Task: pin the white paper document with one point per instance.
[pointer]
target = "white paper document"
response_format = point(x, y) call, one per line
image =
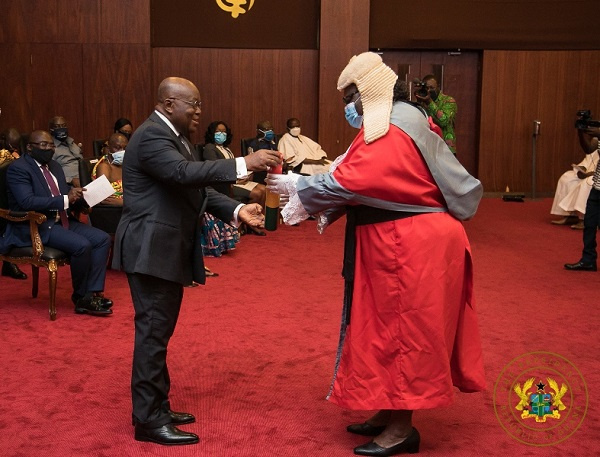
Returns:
point(98, 190)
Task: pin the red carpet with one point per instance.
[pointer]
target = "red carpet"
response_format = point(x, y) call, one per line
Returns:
point(253, 352)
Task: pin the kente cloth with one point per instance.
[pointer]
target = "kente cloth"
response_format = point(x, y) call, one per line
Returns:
point(116, 185)
point(413, 331)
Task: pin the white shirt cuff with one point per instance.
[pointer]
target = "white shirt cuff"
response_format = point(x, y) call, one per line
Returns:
point(66, 204)
point(235, 222)
point(240, 168)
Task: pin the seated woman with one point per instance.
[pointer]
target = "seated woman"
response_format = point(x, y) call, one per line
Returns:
point(110, 166)
point(217, 138)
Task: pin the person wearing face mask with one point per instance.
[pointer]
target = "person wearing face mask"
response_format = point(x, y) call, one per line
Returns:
point(441, 107)
point(409, 327)
point(302, 154)
point(36, 182)
point(110, 165)
point(265, 139)
point(67, 153)
point(217, 139)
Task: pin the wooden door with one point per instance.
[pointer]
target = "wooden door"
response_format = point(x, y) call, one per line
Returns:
point(458, 74)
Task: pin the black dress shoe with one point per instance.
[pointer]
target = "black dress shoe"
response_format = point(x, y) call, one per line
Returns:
point(365, 429)
point(168, 435)
point(181, 418)
point(92, 306)
point(581, 266)
point(104, 302)
point(410, 445)
point(13, 271)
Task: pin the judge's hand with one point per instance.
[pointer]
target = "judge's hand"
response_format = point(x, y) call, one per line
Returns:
point(75, 194)
point(262, 160)
point(252, 215)
point(282, 184)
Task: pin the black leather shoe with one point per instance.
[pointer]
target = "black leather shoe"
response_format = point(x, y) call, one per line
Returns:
point(104, 302)
point(365, 429)
point(12, 270)
point(181, 418)
point(92, 306)
point(168, 435)
point(581, 266)
point(410, 445)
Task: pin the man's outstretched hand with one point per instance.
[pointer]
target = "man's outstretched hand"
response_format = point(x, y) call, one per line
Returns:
point(252, 215)
point(262, 160)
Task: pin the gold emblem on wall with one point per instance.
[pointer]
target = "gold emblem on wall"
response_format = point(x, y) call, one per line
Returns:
point(234, 6)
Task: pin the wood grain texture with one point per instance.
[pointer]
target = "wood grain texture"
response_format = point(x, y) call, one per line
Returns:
point(519, 87)
point(245, 86)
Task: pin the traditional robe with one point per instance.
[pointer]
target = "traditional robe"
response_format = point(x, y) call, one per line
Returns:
point(296, 150)
point(413, 330)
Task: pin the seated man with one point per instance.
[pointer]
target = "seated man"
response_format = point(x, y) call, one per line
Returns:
point(110, 165)
point(300, 153)
point(9, 151)
point(265, 139)
point(573, 187)
point(35, 182)
point(66, 152)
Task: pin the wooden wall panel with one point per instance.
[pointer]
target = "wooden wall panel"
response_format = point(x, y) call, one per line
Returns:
point(124, 21)
point(245, 86)
point(519, 87)
point(344, 33)
point(57, 86)
point(116, 83)
point(15, 91)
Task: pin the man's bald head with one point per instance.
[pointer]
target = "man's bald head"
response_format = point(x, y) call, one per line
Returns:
point(179, 101)
point(117, 142)
point(175, 87)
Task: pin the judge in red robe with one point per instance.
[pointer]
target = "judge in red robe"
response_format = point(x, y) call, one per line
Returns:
point(409, 331)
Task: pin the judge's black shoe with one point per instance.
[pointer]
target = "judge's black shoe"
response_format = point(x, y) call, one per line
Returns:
point(410, 445)
point(366, 429)
point(92, 306)
point(167, 435)
point(104, 302)
point(581, 266)
point(12, 271)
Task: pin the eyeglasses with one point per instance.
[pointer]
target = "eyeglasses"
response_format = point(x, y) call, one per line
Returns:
point(348, 98)
point(44, 144)
point(196, 103)
point(59, 126)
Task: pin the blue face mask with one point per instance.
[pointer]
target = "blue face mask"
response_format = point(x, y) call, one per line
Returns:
point(269, 135)
point(354, 119)
point(117, 157)
point(220, 137)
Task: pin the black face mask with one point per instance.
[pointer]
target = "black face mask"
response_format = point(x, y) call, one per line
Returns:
point(43, 156)
point(126, 135)
point(61, 134)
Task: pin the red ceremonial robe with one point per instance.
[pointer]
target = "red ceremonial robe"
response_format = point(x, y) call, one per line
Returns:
point(413, 330)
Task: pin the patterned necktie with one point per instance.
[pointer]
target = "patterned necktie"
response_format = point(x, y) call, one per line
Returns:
point(55, 193)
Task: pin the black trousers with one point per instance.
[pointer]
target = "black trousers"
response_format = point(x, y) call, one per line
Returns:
point(156, 303)
point(591, 222)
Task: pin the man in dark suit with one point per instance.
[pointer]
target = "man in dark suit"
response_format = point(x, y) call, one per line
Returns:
point(35, 182)
point(158, 244)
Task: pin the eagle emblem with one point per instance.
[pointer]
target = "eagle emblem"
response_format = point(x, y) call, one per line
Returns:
point(540, 404)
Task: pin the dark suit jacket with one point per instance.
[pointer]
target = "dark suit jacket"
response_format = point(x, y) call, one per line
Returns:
point(164, 194)
point(29, 191)
point(211, 152)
